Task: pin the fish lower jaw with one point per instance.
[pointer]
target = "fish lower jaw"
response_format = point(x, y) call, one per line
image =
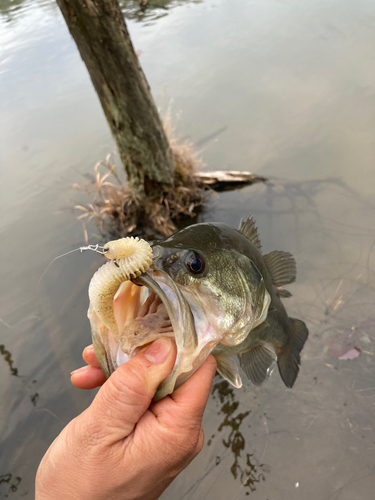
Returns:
point(131, 349)
point(149, 308)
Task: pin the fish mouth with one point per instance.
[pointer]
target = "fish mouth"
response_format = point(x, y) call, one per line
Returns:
point(152, 306)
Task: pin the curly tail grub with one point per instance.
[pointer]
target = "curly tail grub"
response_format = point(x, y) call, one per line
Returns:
point(129, 258)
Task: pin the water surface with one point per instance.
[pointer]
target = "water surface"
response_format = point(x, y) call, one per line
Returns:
point(284, 89)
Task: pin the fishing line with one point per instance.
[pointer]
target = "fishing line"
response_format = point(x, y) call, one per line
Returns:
point(19, 322)
point(95, 248)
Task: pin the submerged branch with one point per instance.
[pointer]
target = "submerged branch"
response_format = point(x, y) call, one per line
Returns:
point(223, 180)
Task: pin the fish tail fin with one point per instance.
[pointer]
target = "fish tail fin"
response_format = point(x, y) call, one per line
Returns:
point(289, 358)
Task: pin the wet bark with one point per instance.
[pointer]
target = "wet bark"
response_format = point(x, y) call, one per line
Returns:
point(226, 180)
point(99, 30)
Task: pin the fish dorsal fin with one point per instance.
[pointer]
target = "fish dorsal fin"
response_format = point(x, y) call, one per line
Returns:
point(249, 229)
point(228, 370)
point(282, 267)
point(257, 363)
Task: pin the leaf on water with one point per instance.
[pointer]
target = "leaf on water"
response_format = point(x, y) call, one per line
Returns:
point(350, 353)
point(343, 353)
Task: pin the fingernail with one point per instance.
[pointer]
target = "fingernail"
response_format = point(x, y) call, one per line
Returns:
point(82, 369)
point(158, 351)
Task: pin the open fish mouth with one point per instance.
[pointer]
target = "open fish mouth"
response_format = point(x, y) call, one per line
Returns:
point(152, 306)
point(209, 288)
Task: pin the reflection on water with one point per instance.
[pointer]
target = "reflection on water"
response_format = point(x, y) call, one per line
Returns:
point(9, 484)
point(9, 7)
point(11, 10)
point(8, 359)
point(34, 398)
point(150, 10)
point(243, 468)
point(138, 10)
point(266, 439)
point(285, 89)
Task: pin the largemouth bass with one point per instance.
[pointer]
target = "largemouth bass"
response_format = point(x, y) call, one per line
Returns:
point(209, 288)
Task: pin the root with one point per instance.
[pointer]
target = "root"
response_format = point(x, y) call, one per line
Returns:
point(118, 211)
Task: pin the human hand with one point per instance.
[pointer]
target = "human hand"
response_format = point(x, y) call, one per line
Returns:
point(123, 446)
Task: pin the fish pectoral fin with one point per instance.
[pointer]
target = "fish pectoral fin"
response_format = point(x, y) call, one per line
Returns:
point(283, 293)
point(282, 267)
point(228, 370)
point(289, 358)
point(257, 363)
point(248, 228)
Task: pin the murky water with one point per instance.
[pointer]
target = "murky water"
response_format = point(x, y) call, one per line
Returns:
point(285, 89)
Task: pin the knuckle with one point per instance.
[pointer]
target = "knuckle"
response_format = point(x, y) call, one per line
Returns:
point(191, 423)
point(127, 387)
point(132, 380)
point(188, 421)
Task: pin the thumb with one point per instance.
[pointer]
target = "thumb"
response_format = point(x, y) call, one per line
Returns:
point(128, 392)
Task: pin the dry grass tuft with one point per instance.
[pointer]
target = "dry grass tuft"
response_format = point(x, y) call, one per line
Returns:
point(117, 211)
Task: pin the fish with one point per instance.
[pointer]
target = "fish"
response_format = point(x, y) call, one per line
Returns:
point(211, 289)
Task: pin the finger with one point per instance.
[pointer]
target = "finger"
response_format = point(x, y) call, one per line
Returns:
point(89, 357)
point(87, 377)
point(188, 401)
point(127, 394)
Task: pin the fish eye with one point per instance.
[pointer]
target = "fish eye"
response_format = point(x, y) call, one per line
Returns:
point(195, 263)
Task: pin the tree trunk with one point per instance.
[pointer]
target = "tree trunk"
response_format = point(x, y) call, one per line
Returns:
point(99, 30)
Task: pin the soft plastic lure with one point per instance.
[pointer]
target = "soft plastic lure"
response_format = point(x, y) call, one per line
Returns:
point(129, 258)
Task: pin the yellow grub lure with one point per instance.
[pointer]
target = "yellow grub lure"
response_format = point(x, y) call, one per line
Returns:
point(129, 258)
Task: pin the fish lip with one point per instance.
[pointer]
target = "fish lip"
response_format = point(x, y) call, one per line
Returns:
point(182, 321)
